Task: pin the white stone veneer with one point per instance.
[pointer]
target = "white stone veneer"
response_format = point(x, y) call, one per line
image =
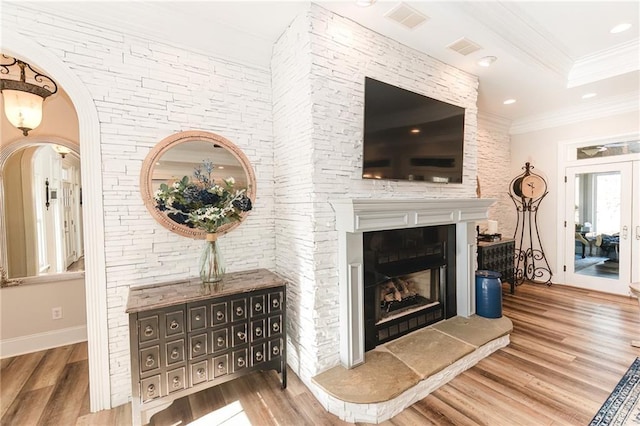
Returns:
point(318, 70)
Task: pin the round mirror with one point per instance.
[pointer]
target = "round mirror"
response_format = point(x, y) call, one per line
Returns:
point(189, 161)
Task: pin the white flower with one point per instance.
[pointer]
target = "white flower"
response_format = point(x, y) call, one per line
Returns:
point(230, 181)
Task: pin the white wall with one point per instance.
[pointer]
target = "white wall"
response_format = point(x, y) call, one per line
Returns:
point(540, 149)
point(325, 103)
point(26, 323)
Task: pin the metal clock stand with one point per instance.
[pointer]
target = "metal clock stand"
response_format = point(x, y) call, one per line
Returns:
point(527, 191)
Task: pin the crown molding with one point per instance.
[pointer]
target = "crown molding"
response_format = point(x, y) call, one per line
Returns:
point(520, 33)
point(488, 121)
point(604, 64)
point(628, 102)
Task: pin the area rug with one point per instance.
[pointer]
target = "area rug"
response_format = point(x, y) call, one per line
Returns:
point(623, 405)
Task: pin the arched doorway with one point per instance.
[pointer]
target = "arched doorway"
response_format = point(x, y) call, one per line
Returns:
point(89, 136)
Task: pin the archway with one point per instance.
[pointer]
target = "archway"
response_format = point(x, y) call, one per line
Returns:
point(95, 275)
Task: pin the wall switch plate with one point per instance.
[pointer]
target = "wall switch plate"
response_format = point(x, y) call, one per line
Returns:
point(56, 313)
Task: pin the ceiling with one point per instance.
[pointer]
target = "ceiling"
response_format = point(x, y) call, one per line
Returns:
point(549, 54)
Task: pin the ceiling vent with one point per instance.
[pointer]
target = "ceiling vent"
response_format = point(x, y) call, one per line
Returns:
point(464, 46)
point(406, 16)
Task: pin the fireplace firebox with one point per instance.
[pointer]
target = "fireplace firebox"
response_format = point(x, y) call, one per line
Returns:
point(409, 280)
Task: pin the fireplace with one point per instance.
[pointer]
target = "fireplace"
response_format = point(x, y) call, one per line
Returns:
point(357, 218)
point(409, 281)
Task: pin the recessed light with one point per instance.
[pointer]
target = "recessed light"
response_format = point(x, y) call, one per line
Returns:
point(620, 28)
point(365, 3)
point(415, 131)
point(509, 101)
point(487, 61)
point(589, 95)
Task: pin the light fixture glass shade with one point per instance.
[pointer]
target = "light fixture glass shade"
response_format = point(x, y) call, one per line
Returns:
point(23, 110)
point(62, 150)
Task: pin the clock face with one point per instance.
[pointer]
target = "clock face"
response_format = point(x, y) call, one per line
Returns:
point(533, 186)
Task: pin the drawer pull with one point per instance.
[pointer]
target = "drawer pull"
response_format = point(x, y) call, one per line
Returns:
point(258, 307)
point(276, 350)
point(176, 382)
point(276, 303)
point(200, 373)
point(259, 356)
point(239, 311)
point(219, 315)
point(241, 335)
point(151, 390)
point(241, 362)
point(197, 347)
point(148, 331)
point(175, 353)
point(174, 324)
point(220, 341)
point(221, 366)
point(198, 317)
point(276, 327)
point(150, 361)
point(258, 331)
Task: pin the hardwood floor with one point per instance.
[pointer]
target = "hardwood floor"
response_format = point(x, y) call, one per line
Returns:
point(568, 350)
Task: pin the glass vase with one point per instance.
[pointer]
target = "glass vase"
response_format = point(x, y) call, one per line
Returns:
point(211, 262)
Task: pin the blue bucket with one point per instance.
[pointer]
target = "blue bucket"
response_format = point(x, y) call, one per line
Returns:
point(488, 294)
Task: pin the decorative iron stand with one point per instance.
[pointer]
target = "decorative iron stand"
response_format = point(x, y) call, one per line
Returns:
point(527, 190)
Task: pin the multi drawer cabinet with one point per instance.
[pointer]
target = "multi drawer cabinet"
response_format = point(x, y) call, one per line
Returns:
point(499, 256)
point(186, 338)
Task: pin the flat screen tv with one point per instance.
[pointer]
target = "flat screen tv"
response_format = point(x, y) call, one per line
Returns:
point(408, 136)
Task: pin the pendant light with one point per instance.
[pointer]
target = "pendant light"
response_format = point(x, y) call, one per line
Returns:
point(23, 90)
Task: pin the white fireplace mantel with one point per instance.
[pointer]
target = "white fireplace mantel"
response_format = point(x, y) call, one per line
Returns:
point(355, 216)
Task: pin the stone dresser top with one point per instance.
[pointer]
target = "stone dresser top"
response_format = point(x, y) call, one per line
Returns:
point(163, 294)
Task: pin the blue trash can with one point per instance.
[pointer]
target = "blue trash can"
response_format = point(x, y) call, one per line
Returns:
point(488, 294)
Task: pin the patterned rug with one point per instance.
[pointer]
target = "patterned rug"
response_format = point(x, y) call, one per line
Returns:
point(623, 405)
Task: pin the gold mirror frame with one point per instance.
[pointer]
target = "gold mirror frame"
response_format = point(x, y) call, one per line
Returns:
point(174, 141)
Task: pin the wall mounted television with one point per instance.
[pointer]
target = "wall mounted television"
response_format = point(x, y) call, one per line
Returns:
point(408, 136)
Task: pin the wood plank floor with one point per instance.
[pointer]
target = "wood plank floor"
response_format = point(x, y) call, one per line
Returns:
point(568, 350)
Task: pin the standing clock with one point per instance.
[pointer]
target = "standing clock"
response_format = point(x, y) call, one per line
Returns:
point(527, 190)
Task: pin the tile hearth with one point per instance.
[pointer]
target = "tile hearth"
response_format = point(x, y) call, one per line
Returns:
point(403, 371)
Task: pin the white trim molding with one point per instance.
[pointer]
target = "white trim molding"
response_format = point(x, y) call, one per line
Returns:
point(614, 105)
point(605, 64)
point(17, 44)
point(42, 341)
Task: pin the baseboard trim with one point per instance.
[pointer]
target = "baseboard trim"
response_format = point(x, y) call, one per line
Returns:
point(41, 341)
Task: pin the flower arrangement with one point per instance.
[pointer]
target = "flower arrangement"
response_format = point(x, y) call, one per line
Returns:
point(202, 203)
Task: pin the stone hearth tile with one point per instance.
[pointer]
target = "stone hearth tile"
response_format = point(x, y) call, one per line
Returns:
point(428, 351)
point(362, 384)
point(475, 330)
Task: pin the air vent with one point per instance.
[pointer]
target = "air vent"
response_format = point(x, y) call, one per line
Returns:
point(406, 16)
point(464, 46)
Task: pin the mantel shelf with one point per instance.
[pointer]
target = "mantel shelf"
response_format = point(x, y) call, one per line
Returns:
point(361, 215)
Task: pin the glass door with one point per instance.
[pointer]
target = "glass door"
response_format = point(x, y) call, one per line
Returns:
point(599, 226)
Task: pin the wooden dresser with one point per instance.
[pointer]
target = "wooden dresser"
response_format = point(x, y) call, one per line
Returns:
point(185, 338)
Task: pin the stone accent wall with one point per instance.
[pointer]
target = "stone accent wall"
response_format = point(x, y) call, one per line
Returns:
point(305, 147)
point(145, 90)
point(330, 80)
point(494, 171)
point(294, 213)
